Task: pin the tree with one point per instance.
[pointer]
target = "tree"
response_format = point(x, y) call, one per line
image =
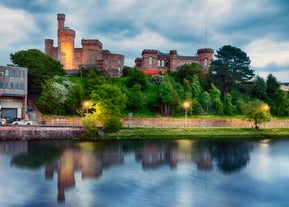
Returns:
point(205, 100)
point(54, 95)
point(258, 88)
point(272, 85)
point(135, 99)
point(136, 76)
point(196, 87)
point(167, 97)
point(230, 69)
point(280, 104)
point(257, 111)
point(187, 72)
point(229, 108)
point(40, 67)
point(106, 105)
point(216, 102)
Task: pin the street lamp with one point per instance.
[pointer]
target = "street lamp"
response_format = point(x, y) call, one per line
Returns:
point(85, 105)
point(186, 105)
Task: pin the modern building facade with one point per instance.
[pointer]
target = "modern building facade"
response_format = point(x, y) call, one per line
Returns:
point(90, 55)
point(13, 92)
point(153, 61)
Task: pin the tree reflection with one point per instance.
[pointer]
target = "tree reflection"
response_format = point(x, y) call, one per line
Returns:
point(231, 156)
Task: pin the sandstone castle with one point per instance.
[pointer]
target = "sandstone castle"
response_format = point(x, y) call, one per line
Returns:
point(90, 55)
point(154, 61)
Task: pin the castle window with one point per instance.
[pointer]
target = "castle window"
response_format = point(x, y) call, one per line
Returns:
point(206, 62)
point(163, 63)
point(159, 63)
point(119, 61)
point(167, 64)
point(150, 60)
point(6, 72)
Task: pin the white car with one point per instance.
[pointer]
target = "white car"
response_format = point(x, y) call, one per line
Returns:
point(22, 122)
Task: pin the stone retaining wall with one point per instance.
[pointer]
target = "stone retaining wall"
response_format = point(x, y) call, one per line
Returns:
point(39, 132)
point(199, 122)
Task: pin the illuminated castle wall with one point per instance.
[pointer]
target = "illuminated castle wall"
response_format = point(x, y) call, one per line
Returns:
point(90, 55)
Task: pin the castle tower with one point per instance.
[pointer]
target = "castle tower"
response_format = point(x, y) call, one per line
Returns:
point(205, 57)
point(66, 38)
point(49, 47)
point(173, 60)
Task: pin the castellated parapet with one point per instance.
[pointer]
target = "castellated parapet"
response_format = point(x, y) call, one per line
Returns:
point(154, 61)
point(90, 55)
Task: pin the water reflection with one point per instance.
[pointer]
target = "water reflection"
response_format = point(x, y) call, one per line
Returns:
point(64, 158)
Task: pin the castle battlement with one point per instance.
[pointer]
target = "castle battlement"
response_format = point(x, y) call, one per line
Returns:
point(90, 55)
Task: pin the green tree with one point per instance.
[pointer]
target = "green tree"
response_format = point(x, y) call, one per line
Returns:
point(40, 67)
point(258, 88)
point(167, 97)
point(229, 108)
point(230, 69)
point(272, 85)
point(187, 72)
point(216, 102)
point(136, 76)
point(205, 100)
point(135, 99)
point(74, 100)
point(106, 105)
point(196, 87)
point(256, 111)
point(280, 104)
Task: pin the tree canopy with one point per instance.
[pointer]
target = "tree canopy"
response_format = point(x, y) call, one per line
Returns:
point(230, 69)
point(40, 67)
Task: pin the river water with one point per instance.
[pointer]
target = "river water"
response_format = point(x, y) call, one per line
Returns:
point(162, 173)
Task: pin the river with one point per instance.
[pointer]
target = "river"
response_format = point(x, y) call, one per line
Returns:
point(162, 173)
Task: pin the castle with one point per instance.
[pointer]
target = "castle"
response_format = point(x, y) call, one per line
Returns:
point(91, 55)
point(154, 61)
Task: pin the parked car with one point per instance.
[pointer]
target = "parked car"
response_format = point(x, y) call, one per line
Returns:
point(22, 122)
point(2, 121)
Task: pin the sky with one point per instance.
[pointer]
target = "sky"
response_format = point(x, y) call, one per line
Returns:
point(127, 27)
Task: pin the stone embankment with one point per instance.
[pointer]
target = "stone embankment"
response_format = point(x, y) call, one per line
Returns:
point(199, 122)
point(11, 132)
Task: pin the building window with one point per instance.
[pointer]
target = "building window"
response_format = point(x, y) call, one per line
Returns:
point(119, 61)
point(150, 60)
point(6, 72)
point(11, 86)
point(1, 85)
point(163, 63)
point(159, 63)
point(206, 62)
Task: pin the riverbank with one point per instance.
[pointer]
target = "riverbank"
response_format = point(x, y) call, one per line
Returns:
point(199, 133)
point(12, 132)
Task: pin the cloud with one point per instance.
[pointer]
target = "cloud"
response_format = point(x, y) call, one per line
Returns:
point(266, 52)
point(129, 26)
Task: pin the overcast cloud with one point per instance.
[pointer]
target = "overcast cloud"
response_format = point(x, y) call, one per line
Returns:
point(259, 27)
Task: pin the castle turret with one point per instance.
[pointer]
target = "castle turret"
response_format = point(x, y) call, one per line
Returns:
point(173, 57)
point(205, 57)
point(66, 38)
point(61, 20)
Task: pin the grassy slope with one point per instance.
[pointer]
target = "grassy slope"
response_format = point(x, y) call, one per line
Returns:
point(200, 133)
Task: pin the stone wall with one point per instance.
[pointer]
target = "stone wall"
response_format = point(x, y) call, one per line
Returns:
point(9, 132)
point(199, 122)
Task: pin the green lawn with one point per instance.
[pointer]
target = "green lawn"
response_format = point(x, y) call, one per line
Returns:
point(200, 133)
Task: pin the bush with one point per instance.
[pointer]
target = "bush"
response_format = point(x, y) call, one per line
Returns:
point(111, 125)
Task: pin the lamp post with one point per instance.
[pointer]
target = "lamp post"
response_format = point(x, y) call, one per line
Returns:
point(186, 105)
point(85, 105)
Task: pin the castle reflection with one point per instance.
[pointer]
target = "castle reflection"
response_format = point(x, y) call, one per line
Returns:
point(64, 158)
